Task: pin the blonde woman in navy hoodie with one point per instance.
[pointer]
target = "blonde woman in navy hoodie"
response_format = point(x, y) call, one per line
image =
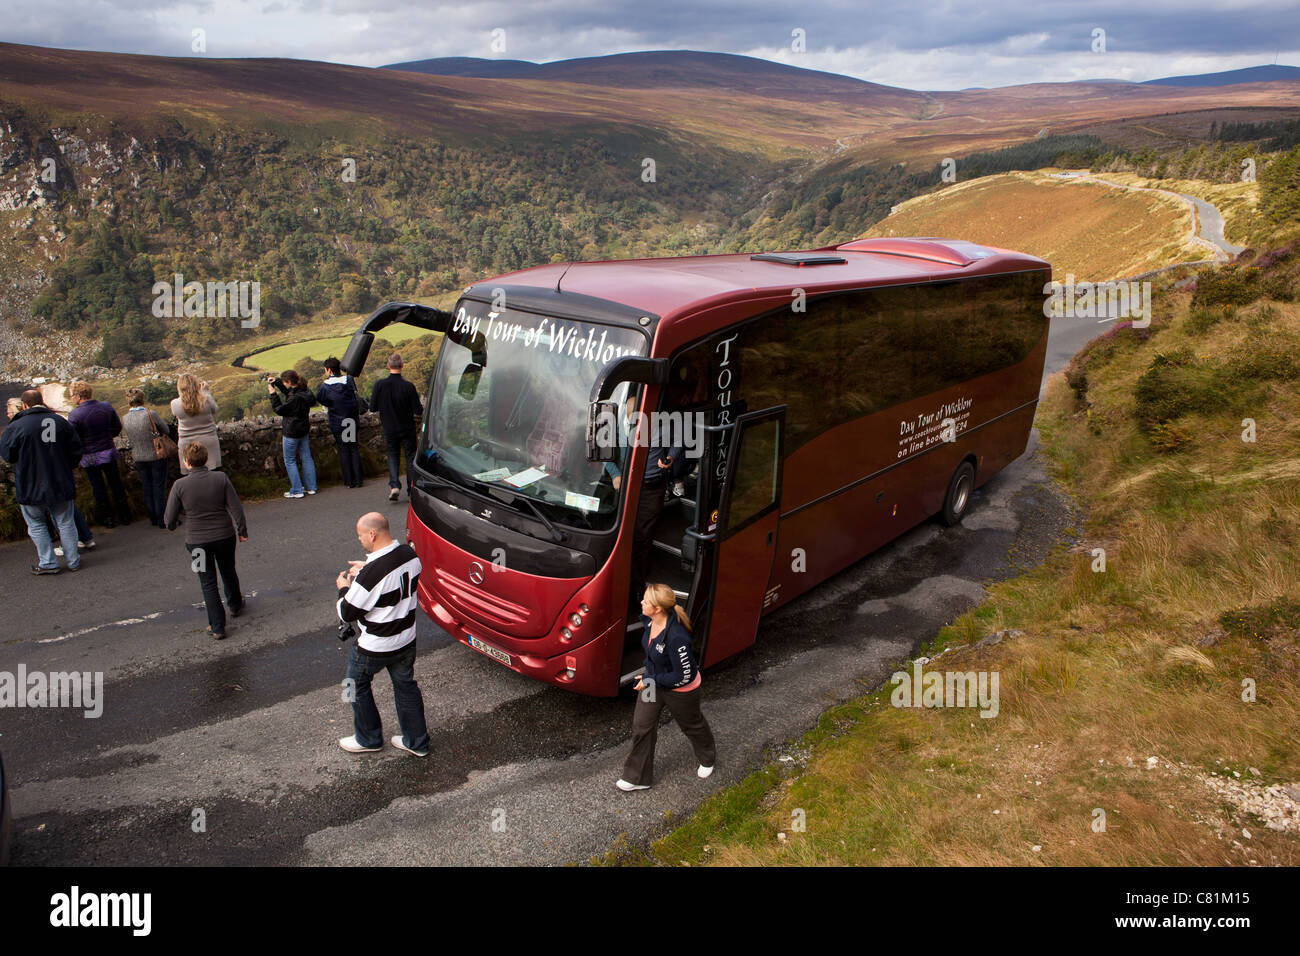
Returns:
point(672, 679)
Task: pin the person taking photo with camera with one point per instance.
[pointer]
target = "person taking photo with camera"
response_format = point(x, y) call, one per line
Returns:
point(378, 595)
point(292, 400)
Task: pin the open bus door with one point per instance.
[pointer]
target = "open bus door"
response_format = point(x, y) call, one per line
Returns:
point(748, 513)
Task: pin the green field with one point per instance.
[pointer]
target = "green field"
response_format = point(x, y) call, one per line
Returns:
point(287, 356)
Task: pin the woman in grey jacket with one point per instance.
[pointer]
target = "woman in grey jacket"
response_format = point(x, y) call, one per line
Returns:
point(213, 517)
point(140, 426)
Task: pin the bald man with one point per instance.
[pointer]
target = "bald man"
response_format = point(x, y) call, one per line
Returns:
point(378, 595)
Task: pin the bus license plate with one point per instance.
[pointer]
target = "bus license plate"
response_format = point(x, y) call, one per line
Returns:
point(488, 649)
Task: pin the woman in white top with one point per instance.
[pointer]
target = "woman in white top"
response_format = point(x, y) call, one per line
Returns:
point(195, 411)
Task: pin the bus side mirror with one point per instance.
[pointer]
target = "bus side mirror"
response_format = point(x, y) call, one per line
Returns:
point(467, 388)
point(602, 431)
point(354, 359)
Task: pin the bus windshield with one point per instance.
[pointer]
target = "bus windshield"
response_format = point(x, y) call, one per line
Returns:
point(506, 413)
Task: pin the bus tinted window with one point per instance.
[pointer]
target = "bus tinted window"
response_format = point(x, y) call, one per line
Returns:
point(963, 330)
point(754, 483)
point(857, 353)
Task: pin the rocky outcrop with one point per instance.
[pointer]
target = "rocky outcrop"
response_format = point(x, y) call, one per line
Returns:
point(40, 166)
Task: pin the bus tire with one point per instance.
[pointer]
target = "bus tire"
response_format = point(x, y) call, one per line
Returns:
point(957, 500)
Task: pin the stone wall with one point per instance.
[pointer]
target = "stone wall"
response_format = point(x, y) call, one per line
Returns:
point(250, 454)
point(251, 448)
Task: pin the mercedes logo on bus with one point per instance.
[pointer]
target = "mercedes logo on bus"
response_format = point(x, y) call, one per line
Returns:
point(476, 572)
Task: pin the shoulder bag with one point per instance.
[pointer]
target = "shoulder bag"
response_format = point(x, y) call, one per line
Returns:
point(163, 446)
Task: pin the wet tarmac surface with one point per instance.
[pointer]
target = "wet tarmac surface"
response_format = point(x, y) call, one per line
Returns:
point(241, 734)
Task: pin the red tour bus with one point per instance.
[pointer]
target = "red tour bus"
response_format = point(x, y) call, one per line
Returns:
point(830, 401)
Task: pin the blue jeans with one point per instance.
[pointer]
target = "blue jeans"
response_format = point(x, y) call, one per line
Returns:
point(34, 515)
point(84, 534)
point(395, 442)
point(410, 705)
point(153, 483)
point(295, 450)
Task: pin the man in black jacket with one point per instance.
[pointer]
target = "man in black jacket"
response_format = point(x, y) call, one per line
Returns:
point(295, 409)
point(44, 448)
point(398, 405)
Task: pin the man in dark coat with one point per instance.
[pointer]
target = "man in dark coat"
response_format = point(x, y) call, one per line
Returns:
point(398, 405)
point(44, 448)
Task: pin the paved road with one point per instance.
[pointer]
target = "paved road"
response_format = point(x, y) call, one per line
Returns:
point(1207, 222)
point(244, 730)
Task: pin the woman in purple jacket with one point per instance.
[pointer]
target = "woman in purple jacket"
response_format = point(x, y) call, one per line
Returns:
point(97, 424)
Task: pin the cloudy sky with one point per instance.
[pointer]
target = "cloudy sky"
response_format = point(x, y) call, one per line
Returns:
point(920, 44)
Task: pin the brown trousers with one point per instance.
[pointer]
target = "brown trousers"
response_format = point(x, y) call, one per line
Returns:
point(685, 708)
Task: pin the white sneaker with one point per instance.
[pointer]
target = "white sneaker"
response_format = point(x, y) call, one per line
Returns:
point(290, 494)
point(351, 746)
point(703, 771)
point(58, 550)
point(311, 492)
point(629, 787)
point(397, 742)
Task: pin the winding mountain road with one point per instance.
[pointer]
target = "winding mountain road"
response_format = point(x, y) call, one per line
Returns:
point(1207, 224)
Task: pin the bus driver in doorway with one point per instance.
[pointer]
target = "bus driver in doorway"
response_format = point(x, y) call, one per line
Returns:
point(662, 464)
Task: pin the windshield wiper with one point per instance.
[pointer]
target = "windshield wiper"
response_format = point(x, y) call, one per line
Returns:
point(487, 487)
point(429, 478)
point(556, 534)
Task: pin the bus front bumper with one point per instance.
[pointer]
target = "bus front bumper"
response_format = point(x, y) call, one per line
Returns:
point(587, 668)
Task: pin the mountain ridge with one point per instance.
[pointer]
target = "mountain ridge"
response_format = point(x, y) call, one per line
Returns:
point(638, 64)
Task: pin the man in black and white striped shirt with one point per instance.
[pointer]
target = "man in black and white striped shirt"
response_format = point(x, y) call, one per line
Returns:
point(378, 595)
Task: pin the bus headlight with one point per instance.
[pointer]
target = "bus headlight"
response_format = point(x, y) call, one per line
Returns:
point(566, 634)
point(575, 620)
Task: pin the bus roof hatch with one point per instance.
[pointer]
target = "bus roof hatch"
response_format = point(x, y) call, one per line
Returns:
point(801, 258)
point(956, 252)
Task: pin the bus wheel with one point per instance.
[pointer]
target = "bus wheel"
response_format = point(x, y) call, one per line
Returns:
point(958, 497)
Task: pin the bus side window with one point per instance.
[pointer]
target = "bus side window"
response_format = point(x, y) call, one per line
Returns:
point(754, 487)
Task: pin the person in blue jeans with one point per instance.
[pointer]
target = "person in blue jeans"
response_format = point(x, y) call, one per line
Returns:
point(85, 537)
point(379, 596)
point(292, 401)
point(44, 448)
